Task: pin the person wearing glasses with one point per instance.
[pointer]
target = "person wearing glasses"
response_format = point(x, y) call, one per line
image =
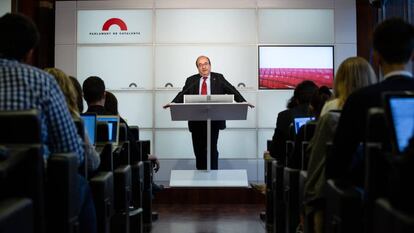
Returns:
point(206, 83)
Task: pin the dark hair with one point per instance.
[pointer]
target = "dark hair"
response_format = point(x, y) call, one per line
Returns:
point(111, 103)
point(394, 40)
point(93, 89)
point(292, 102)
point(318, 99)
point(325, 92)
point(19, 36)
point(78, 90)
point(304, 92)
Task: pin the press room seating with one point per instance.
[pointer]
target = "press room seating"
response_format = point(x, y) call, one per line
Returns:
point(23, 127)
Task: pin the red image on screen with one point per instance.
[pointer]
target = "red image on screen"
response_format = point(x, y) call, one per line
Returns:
point(286, 78)
point(284, 67)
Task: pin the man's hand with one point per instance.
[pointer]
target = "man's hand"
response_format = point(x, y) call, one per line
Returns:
point(250, 105)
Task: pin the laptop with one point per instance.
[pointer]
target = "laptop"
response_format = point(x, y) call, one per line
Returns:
point(299, 121)
point(113, 127)
point(208, 98)
point(89, 122)
point(399, 113)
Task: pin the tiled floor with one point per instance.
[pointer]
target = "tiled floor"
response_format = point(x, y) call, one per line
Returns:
point(211, 218)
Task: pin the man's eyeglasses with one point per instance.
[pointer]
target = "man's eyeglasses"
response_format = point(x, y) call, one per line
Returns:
point(203, 64)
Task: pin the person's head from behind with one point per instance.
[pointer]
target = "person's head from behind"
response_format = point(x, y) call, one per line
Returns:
point(318, 99)
point(303, 93)
point(94, 91)
point(111, 103)
point(67, 88)
point(203, 65)
point(352, 74)
point(20, 36)
point(393, 41)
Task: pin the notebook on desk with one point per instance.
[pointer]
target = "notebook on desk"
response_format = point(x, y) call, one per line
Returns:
point(399, 113)
point(113, 127)
point(89, 122)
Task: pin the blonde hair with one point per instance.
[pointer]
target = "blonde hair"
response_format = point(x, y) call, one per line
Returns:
point(67, 88)
point(352, 74)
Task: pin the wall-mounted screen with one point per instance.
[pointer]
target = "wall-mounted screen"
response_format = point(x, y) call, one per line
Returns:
point(283, 67)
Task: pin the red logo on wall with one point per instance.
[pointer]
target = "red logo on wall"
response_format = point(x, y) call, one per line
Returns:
point(122, 33)
point(114, 21)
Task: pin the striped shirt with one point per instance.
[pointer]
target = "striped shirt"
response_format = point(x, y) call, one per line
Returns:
point(25, 87)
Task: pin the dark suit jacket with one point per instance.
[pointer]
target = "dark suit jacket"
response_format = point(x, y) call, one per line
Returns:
point(99, 110)
point(281, 134)
point(341, 163)
point(219, 85)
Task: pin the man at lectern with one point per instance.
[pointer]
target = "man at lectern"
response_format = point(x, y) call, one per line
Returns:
point(206, 83)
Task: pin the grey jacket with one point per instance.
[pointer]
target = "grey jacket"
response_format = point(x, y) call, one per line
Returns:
point(324, 132)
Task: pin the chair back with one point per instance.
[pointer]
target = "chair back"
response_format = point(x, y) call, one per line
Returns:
point(20, 127)
point(295, 157)
point(144, 147)
point(80, 127)
point(309, 128)
point(279, 207)
point(24, 168)
point(62, 193)
point(291, 198)
point(268, 145)
point(102, 187)
point(376, 128)
point(121, 155)
point(120, 222)
point(123, 132)
point(16, 215)
point(388, 219)
point(102, 132)
point(22, 175)
point(377, 167)
point(134, 130)
point(344, 211)
point(269, 193)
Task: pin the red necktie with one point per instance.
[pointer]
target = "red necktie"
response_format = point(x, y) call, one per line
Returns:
point(204, 86)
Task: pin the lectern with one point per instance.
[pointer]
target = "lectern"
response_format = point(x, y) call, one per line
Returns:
point(208, 111)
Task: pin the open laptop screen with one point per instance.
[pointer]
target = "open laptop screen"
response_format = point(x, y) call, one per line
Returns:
point(89, 122)
point(299, 121)
point(113, 126)
point(399, 109)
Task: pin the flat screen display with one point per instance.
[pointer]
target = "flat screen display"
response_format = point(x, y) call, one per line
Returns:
point(400, 113)
point(89, 122)
point(113, 127)
point(299, 121)
point(284, 67)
